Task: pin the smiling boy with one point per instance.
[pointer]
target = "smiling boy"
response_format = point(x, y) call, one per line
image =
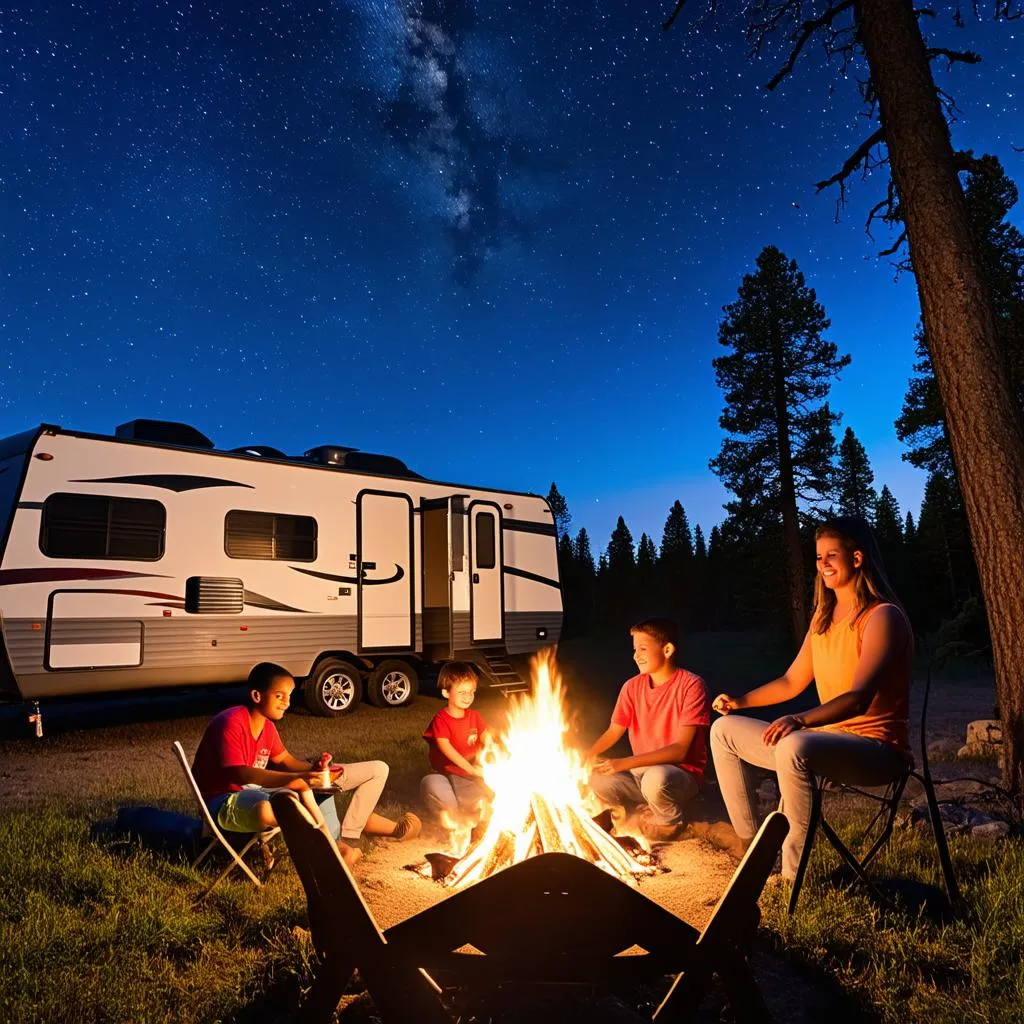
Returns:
point(666, 713)
point(241, 761)
point(454, 790)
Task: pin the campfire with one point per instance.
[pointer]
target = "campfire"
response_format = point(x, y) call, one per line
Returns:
point(538, 781)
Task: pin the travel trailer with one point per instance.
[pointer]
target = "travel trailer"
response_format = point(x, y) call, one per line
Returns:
point(150, 559)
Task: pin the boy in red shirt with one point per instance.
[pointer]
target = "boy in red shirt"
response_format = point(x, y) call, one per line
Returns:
point(666, 712)
point(455, 790)
point(231, 770)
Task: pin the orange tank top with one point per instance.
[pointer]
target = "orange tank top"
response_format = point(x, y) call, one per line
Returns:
point(835, 654)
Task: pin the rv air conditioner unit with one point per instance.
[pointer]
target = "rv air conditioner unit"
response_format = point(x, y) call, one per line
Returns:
point(261, 451)
point(353, 458)
point(163, 432)
point(328, 454)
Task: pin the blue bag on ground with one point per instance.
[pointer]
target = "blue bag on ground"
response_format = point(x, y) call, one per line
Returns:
point(167, 831)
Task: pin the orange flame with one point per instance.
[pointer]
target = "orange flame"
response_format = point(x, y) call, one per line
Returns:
point(538, 780)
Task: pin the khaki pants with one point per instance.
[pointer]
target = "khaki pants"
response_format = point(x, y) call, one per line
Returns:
point(736, 741)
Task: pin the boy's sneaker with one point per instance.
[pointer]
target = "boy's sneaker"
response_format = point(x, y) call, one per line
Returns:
point(407, 827)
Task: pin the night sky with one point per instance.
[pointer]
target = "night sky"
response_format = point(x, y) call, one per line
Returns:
point(491, 239)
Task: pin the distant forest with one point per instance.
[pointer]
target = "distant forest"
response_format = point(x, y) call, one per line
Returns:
point(786, 470)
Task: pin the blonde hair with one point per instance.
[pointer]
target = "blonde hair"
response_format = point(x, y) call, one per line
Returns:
point(871, 585)
point(456, 672)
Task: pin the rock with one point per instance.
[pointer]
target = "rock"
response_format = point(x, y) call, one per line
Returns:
point(984, 740)
point(985, 730)
point(991, 830)
point(958, 819)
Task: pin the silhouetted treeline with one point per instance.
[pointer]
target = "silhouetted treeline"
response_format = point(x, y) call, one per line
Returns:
point(737, 578)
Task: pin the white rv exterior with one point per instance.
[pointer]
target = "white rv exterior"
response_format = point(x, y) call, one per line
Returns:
point(128, 563)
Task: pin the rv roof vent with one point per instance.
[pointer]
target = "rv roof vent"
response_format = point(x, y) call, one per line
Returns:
point(163, 432)
point(329, 454)
point(261, 451)
point(371, 463)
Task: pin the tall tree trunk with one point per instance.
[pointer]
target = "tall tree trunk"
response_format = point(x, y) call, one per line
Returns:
point(787, 496)
point(984, 424)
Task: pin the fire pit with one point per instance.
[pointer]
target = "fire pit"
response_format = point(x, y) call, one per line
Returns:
point(538, 779)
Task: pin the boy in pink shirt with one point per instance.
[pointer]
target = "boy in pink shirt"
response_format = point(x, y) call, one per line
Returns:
point(666, 712)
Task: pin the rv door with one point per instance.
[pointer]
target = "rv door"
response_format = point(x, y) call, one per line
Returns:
point(384, 561)
point(486, 597)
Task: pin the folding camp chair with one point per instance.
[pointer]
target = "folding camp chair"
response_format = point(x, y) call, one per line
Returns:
point(216, 837)
point(551, 920)
point(721, 948)
point(888, 807)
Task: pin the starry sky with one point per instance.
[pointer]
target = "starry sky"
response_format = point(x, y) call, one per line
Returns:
point(492, 239)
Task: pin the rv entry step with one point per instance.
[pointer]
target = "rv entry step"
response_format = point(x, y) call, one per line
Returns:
point(504, 675)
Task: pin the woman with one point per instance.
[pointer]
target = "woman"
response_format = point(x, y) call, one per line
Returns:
point(859, 650)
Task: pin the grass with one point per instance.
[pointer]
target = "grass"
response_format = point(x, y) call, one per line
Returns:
point(102, 932)
point(116, 935)
point(907, 964)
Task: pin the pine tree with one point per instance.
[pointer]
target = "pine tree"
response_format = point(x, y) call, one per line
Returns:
point(909, 529)
point(776, 378)
point(618, 582)
point(646, 554)
point(646, 582)
point(700, 551)
point(854, 493)
point(698, 591)
point(889, 532)
point(944, 566)
point(989, 196)
point(584, 579)
point(621, 554)
point(676, 540)
point(559, 510)
point(568, 574)
point(581, 550)
point(887, 518)
point(675, 566)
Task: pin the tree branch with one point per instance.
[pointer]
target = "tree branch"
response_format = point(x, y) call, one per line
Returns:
point(666, 25)
point(807, 29)
point(858, 157)
point(896, 246)
point(953, 56)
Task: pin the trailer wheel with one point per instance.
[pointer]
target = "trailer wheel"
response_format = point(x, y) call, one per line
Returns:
point(333, 688)
point(392, 684)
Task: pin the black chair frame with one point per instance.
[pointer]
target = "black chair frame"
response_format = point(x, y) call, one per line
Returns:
point(889, 802)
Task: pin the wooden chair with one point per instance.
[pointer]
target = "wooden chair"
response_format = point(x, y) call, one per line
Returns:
point(551, 920)
point(888, 807)
point(216, 836)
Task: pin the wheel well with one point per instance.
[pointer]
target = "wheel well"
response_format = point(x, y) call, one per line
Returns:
point(418, 665)
point(363, 664)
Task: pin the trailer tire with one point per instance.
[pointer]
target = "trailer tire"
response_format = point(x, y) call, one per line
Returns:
point(392, 684)
point(333, 688)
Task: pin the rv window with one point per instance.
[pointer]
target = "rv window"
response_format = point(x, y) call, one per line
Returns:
point(96, 526)
point(269, 535)
point(485, 547)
